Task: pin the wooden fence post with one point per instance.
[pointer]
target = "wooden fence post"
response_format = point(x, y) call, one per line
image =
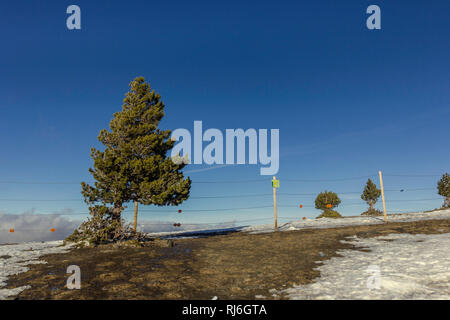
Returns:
point(135, 215)
point(274, 185)
point(382, 196)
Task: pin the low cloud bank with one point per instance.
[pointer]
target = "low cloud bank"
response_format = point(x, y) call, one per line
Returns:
point(165, 226)
point(35, 227)
point(30, 227)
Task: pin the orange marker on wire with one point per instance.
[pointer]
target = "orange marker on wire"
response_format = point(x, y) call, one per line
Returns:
point(11, 230)
point(52, 229)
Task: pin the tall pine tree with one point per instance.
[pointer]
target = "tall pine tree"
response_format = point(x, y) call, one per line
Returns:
point(135, 165)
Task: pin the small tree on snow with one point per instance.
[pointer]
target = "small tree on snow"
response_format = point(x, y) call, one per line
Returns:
point(327, 201)
point(371, 194)
point(443, 187)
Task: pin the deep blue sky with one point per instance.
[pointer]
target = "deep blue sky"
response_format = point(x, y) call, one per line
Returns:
point(348, 101)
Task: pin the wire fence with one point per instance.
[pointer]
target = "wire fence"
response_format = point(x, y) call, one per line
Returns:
point(269, 205)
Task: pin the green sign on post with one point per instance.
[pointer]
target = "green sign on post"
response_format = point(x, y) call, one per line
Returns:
point(275, 183)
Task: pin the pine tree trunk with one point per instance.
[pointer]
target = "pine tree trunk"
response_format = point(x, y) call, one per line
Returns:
point(116, 211)
point(447, 202)
point(371, 205)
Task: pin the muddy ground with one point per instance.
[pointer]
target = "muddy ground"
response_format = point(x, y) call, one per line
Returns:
point(233, 266)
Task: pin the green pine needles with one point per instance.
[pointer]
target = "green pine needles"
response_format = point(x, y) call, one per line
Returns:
point(327, 201)
point(135, 164)
point(371, 194)
point(443, 187)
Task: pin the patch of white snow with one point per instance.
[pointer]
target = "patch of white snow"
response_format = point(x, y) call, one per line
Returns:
point(407, 267)
point(14, 259)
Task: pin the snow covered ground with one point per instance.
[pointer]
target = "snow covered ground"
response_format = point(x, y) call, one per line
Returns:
point(15, 258)
point(404, 267)
point(307, 224)
point(349, 221)
point(408, 268)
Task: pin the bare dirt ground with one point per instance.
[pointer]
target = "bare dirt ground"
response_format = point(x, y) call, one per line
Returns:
point(233, 266)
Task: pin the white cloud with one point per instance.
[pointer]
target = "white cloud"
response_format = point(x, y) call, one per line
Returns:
point(165, 226)
point(29, 226)
point(32, 227)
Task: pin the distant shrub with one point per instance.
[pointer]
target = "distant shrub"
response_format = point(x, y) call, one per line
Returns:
point(443, 187)
point(326, 201)
point(372, 212)
point(370, 195)
point(328, 213)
